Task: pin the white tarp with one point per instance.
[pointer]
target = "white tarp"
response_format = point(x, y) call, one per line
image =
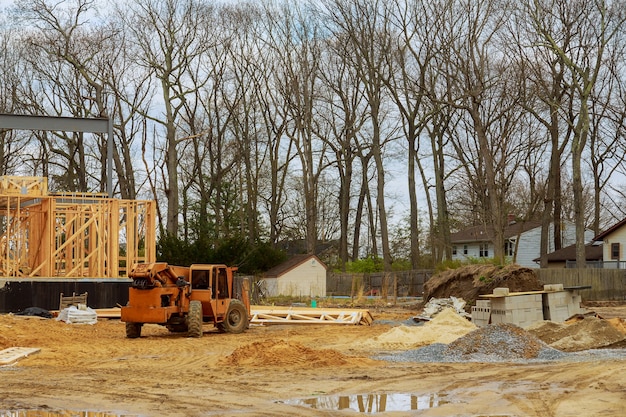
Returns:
point(80, 314)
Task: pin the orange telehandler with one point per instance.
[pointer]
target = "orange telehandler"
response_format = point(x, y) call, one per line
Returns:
point(183, 298)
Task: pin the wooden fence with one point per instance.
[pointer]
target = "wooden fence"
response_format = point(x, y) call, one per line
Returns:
point(392, 284)
point(606, 284)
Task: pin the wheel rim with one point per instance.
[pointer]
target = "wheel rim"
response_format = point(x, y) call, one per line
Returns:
point(234, 317)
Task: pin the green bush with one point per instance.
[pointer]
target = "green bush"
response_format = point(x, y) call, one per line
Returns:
point(366, 265)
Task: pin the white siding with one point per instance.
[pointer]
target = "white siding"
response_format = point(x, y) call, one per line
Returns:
point(307, 280)
point(473, 251)
point(530, 243)
point(528, 246)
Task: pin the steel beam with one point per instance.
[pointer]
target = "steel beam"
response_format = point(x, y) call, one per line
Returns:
point(65, 124)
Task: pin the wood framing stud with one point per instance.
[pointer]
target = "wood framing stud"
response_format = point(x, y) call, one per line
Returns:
point(71, 235)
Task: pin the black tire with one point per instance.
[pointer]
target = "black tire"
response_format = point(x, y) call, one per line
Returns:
point(194, 319)
point(133, 330)
point(236, 320)
point(177, 328)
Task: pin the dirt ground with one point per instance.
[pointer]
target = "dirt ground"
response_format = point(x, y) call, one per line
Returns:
point(282, 370)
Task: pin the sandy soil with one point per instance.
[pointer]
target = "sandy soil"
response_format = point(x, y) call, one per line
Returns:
point(272, 370)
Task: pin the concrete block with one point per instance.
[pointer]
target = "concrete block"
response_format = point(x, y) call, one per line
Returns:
point(553, 287)
point(557, 314)
point(501, 291)
point(481, 316)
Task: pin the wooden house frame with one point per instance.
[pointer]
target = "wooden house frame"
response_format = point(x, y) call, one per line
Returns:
point(71, 235)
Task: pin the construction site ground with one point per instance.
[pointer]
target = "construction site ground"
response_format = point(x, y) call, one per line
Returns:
point(287, 370)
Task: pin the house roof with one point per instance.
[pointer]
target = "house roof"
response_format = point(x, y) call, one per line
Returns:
point(484, 233)
point(289, 264)
point(568, 253)
point(610, 230)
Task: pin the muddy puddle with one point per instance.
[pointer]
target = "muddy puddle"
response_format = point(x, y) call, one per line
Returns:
point(373, 403)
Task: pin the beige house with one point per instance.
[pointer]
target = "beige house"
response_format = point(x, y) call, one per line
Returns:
point(613, 243)
point(300, 275)
point(605, 251)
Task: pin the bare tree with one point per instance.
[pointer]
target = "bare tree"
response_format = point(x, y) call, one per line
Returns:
point(593, 27)
point(408, 83)
point(275, 151)
point(12, 143)
point(606, 132)
point(344, 116)
point(68, 53)
point(365, 27)
point(171, 37)
point(484, 85)
point(297, 45)
point(247, 73)
point(546, 98)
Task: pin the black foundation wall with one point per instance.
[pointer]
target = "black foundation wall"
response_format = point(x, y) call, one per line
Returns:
point(15, 296)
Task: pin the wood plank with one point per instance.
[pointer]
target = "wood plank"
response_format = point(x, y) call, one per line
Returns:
point(513, 294)
point(12, 354)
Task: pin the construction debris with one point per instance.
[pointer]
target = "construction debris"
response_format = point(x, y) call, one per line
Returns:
point(435, 305)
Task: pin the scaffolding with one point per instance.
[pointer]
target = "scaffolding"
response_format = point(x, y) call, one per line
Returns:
point(71, 235)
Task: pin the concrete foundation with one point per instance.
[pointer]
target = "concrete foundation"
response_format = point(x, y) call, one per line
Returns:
point(17, 295)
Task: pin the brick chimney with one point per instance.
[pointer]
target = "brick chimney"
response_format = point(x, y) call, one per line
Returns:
point(510, 218)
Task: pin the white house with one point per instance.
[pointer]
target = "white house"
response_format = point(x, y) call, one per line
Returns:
point(522, 241)
point(300, 275)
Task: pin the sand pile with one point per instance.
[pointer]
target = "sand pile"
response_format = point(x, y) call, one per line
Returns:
point(618, 323)
point(589, 333)
point(445, 327)
point(282, 353)
point(4, 342)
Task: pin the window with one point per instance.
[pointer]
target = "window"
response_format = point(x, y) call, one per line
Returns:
point(484, 250)
point(464, 249)
point(509, 247)
point(454, 250)
point(615, 250)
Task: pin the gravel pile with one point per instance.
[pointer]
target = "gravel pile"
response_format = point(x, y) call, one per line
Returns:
point(494, 343)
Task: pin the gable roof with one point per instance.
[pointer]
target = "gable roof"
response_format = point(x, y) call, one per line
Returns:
point(484, 233)
point(289, 264)
point(610, 230)
point(568, 253)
